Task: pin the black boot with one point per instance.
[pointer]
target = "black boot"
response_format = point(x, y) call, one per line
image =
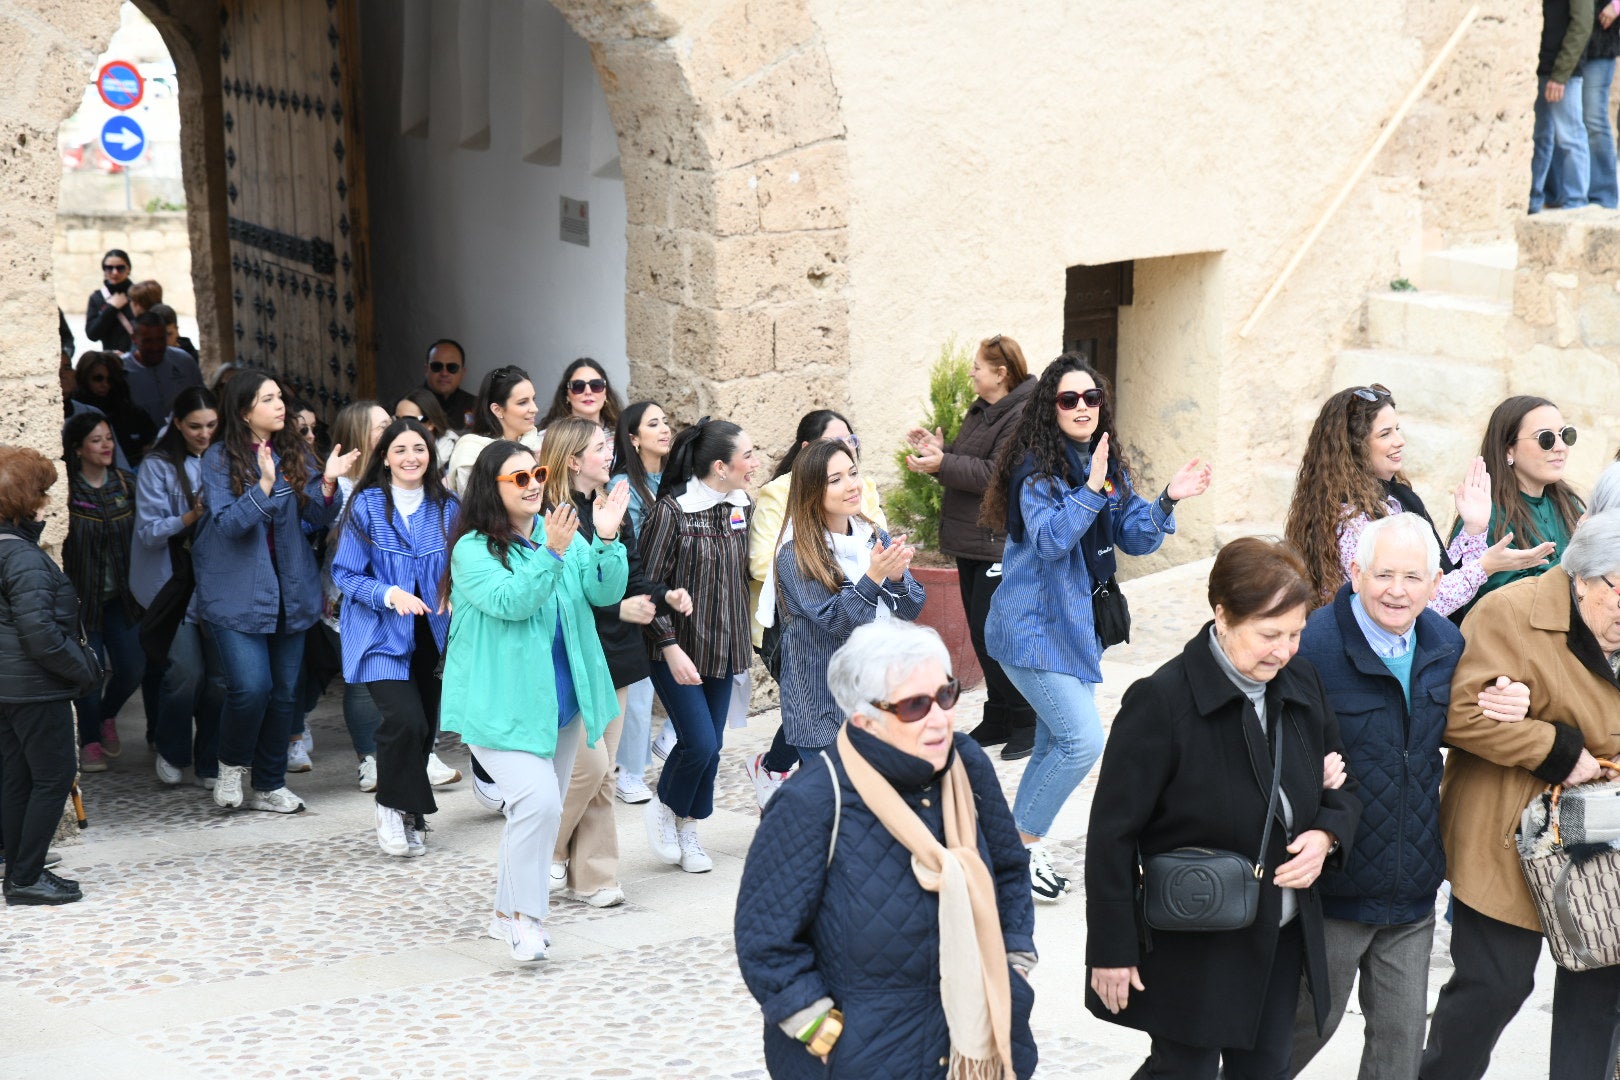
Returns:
point(1021, 740)
point(993, 728)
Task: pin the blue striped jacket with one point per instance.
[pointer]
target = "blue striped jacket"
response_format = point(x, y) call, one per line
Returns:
point(371, 558)
point(1040, 617)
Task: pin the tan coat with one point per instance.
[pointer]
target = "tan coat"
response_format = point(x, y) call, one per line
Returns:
point(1492, 771)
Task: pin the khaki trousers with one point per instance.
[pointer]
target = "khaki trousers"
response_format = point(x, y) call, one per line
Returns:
point(588, 840)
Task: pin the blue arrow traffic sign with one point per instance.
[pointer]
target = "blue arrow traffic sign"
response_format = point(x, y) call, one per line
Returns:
point(123, 140)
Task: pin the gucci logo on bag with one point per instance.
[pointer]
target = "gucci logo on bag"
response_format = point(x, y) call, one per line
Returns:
point(1192, 892)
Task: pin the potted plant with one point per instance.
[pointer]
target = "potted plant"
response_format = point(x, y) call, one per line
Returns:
point(913, 508)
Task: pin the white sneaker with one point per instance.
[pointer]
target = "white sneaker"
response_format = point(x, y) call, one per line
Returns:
point(307, 738)
point(498, 924)
point(440, 774)
point(298, 757)
point(559, 876)
point(207, 783)
point(279, 801)
point(166, 773)
point(415, 839)
point(391, 832)
point(368, 773)
point(488, 794)
point(228, 789)
point(528, 938)
point(632, 789)
point(665, 741)
point(765, 781)
point(694, 860)
point(1046, 885)
point(662, 832)
point(607, 896)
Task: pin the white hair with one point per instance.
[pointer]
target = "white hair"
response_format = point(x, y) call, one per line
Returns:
point(1606, 492)
point(1594, 550)
point(878, 655)
point(1398, 526)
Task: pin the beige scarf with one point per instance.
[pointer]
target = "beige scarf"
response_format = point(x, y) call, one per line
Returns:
point(973, 975)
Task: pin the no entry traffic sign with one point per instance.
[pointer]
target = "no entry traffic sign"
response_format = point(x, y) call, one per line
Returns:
point(122, 139)
point(120, 84)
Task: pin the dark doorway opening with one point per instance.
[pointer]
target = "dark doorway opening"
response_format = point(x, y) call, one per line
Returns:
point(1092, 297)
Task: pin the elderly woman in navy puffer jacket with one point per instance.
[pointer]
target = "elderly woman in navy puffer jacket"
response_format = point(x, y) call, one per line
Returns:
point(887, 861)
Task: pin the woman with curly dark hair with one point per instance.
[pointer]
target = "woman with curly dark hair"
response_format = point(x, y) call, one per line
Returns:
point(1351, 474)
point(1063, 493)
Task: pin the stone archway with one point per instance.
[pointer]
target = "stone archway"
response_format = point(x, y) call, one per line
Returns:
point(735, 169)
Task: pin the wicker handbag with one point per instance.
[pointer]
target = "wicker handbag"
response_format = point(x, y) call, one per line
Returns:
point(1569, 850)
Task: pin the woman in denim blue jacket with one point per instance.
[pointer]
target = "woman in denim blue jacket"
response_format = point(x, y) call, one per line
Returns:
point(1064, 494)
point(258, 587)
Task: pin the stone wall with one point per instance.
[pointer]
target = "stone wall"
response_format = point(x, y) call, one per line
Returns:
point(1564, 339)
point(159, 247)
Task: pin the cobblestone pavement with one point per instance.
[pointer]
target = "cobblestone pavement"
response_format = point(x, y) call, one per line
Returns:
point(242, 945)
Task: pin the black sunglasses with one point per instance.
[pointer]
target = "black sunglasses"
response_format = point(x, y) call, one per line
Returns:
point(913, 709)
point(595, 386)
point(1069, 400)
point(437, 366)
point(1547, 438)
point(1371, 393)
point(112, 268)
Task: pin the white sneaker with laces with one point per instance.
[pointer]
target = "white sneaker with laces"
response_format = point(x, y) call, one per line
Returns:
point(166, 773)
point(440, 774)
point(665, 741)
point(663, 832)
point(559, 876)
point(368, 773)
point(765, 781)
point(632, 789)
point(527, 938)
point(488, 794)
point(307, 738)
point(298, 757)
point(391, 832)
point(207, 783)
point(1045, 883)
point(279, 801)
point(607, 896)
point(228, 788)
point(415, 839)
point(498, 924)
point(694, 860)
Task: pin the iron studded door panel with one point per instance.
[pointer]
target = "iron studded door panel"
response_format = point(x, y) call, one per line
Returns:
point(295, 191)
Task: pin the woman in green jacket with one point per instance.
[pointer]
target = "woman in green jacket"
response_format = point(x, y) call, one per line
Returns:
point(1526, 450)
point(524, 671)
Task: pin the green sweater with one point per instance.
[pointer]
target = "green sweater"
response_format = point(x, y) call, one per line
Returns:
point(499, 683)
point(1549, 526)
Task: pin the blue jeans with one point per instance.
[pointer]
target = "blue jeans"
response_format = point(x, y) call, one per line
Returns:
point(1068, 742)
point(686, 785)
point(635, 744)
point(261, 696)
point(193, 688)
point(119, 643)
point(1604, 186)
point(1560, 134)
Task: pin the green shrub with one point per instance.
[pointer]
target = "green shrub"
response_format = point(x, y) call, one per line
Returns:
point(913, 505)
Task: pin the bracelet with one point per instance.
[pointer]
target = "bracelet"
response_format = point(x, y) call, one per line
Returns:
point(832, 1026)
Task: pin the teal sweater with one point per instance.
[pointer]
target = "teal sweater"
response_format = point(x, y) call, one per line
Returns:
point(499, 684)
point(1549, 526)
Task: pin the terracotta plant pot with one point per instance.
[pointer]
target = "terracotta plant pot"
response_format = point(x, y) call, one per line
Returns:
point(944, 612)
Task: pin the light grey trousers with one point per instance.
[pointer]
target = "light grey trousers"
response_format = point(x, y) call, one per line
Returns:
point(534, 788)
point(1394, 966)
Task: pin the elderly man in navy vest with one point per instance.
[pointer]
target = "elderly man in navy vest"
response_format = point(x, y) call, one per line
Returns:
point(1386, 662)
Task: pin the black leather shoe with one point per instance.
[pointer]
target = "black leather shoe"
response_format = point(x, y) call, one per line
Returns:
point(1020, 743)
point(48, 890)
point(992, 730)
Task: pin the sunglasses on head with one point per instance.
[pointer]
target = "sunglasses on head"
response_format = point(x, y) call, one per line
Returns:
point(1547, 438)
point(113, 268)
point(437, 366)
point(1371, 393)
point(524, 477)
point(595, 386)
point(912, 709)
point(1069, 400)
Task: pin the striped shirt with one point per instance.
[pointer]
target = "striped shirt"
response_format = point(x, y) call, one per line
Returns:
point(705, 553)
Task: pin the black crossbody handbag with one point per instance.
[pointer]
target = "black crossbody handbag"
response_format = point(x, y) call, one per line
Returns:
point(1205, 889)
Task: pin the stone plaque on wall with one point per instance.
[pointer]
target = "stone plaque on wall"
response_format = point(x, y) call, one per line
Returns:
point(576, 221)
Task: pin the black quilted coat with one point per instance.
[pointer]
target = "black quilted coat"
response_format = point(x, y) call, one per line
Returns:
point(40, 655)
point(862, 931)
point(1397, 862)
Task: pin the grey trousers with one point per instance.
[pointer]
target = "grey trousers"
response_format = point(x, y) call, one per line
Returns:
point(1394, 966)
point(533, 788)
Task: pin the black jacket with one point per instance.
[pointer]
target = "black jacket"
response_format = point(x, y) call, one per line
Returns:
point(964, 473)
point(1187, 765)
point(40, 655)
point(623, 643)
point(101, 323)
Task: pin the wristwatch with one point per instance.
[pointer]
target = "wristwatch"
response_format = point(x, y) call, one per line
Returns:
point(1167, 505)
point(826, 1034)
